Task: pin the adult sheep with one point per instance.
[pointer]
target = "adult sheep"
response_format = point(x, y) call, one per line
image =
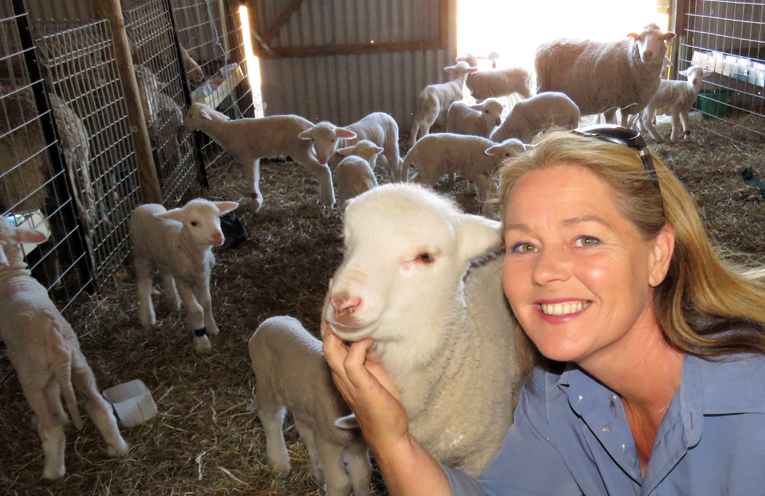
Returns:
point(443, 331)
point(601, 77)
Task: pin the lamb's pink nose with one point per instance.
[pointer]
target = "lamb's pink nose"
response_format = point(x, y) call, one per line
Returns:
point(498, 121)
point(344, 304)
point(217, 238)
point(648, 54)
point(322, 159)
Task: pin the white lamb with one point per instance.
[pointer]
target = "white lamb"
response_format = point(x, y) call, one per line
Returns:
point(538, 113)
point(499, 82)
point(355, 173)
point(604, 76)
point(437, 98)
point(248, 140)
point(378, 127)
point(476, 120)
point(292, 374)
point(472, 157)
point(179, 243)
point(678, 98)
point(44, 350)
point(443, 331)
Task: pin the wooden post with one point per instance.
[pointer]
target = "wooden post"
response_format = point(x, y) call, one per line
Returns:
point(147, 171)
point(677, 23)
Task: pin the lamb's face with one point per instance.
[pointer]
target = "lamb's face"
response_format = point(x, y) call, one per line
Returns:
point(324, 136)
point(406, 251)
point(198, 114)
point(202, 219)
point(491, 111)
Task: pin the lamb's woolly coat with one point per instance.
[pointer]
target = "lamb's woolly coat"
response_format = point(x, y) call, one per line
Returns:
point(381, 129)
point(291, 372)
point(598, 76)
point(353, 176)
point(463, 119)
point(540, 112)
point(499, 82)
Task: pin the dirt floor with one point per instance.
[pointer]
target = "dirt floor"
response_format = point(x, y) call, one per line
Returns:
point(204, 441)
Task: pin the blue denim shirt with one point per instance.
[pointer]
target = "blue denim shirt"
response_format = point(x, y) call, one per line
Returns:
point(571, 437)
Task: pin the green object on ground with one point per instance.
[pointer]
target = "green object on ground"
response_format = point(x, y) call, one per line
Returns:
point(714, 103)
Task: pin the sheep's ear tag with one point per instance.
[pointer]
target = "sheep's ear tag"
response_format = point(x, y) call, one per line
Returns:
point(634, 36)
point(478, 236)
point(348, 422)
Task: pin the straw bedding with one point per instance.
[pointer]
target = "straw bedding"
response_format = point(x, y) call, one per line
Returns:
point(203, 441)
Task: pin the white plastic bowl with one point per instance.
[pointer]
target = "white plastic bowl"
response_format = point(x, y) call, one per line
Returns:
point(132, 402)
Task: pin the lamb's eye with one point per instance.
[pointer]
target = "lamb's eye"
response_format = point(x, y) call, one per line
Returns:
point(426, 258)
point(194, 223)
point(332, 141)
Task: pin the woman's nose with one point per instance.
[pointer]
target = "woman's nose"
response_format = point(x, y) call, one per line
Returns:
point(551, 265)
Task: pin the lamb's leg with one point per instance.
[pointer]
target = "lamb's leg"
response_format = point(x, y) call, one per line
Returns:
point(338, 481)
point(51, 433)
point(168, 282)
point(306, 434)
point(686, 121)
point(675, 127)
point(252, 173)
point(195, 316)
point(357, 461)
point(322, 173)
point(609, 115)
point(647, 123)
point(203, 296)
point(99, 410)
point(272, 416)
point(143, 281)
point(53, 395)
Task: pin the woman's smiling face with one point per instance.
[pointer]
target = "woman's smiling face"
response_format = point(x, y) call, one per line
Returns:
point(577, 274)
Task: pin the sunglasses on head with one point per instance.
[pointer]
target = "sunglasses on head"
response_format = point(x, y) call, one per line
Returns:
point(622, 136)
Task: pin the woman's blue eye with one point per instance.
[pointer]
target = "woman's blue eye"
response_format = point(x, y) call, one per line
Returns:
point(587, 241)
point(522, 247)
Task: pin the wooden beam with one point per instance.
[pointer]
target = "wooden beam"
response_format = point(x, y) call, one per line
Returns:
point(281, 21)
point(677, 26)
point(323, 50)
point(443, 17)
point(147, 171)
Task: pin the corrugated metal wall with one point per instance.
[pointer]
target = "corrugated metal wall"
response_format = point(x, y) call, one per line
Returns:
point(345, 88)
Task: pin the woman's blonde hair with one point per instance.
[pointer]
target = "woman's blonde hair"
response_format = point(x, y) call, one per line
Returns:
point(706, 305)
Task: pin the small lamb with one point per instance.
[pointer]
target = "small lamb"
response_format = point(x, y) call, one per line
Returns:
point(44, 350)
point(248, 140)
point(678, 98)
point(378, 127)
point(354, 174)
point(476, 120)
point(437, 98)
point(538, 113)
point(494, 83)
point(442, 328)
point(179, 243)
point(473, 157)
point(292, 374)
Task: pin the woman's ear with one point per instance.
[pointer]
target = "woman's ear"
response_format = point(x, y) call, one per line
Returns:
point(664, 246)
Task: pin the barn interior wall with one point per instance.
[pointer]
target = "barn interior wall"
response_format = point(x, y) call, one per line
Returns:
point(345, 88)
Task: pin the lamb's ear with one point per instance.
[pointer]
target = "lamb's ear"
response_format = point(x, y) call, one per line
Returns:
point(175, 214)
point(379, 149)
point(30, 235)
point(683, 73)
point(348, 422)
point(478, 236)
point(305, 135)
point(226, 206)
point(348, 150)
point(493, 150)
point(472, 70)
point(669, 36)
point(449, 69)
point(344, 133)
point(3, 256)
point(205, 115)
point(477, 106)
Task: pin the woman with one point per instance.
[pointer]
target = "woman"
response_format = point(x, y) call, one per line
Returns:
point(646, 350)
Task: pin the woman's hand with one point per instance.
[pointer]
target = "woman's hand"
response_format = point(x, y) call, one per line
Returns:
point(366, 387)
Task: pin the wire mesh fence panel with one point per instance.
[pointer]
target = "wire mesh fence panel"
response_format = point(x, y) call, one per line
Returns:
point(80, 70)
point(211, 32)
point(34, 186)
point(727, 38)
point(158, 70)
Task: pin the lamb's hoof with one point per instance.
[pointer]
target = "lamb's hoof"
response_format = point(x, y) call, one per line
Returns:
point(118, 451)
point(148, 320)
point(280, 467)
point(255, 199)
point(202, 345)
point(54, 472)
point(212, 330)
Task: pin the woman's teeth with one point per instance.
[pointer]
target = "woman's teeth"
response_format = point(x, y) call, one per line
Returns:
point(564, 308)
